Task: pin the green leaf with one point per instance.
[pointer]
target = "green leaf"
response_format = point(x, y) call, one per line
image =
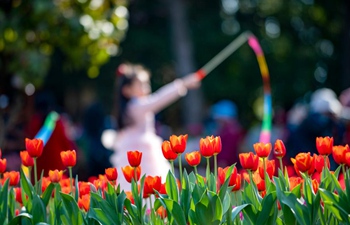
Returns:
point(132, 211)
point(175, 210)
point(26, 185)
point(250, 196)
point(236, 210)
point(72, 212)
point(171, 187)
point(39, 210)
point(335, 204)
point(268, 208)
point(19, 219)
point(47, 194)
point(76, 196)
point(111, 215)
point(185, 197)
point(11, 204)
point(111, 196)
point(209, 209)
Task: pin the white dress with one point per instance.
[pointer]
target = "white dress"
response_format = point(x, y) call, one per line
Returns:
point(141, 134)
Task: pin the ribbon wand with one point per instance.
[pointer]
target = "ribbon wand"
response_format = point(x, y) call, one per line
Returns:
point(223, 54)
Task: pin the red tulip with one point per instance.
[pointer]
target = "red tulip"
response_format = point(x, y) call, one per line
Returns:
point(178, 143)
point(151, 184)
point(324, 145)
point(237, 183)
point(129, 174)
point(168, 152)
point(319, 162)
point(55, 175)
point(26, 159)
point(111, 174)
point(347, 159)
point(262, 150)
point(339, 153)
point(193, 158)
point(45, 182)
point(294, 181)
point(84, 188)
point(249, 161)
point(222, 175)
point(130, 197)
point(279, 149)
point(270, 168)
point(134, 158)
point(18, 195)
point(69, 158)
point(304, 162)
point(210, 146)
point(84, 202)
point(315, 185)
point(34, 147)
point(260, 183)
point(2, 165)
point(13, 177)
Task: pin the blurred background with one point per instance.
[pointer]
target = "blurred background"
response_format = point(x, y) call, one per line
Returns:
point(63, 55)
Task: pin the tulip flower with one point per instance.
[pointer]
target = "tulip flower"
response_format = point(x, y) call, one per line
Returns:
point(69, 158)
point(2, 165)
point(262, 150)
point(45, 182)
point(34, 147)
point(347, 159)
point(210, 146)
point(270, 168)
point(84, 202)
point(151, 184)
point(294, 181)
point(18, 195)
point(55, 175)
point(339, 152)
point(111, 174)
point(178, 143)
point(319, 162)
point(129, 174)
point(134, 158)
point(168, 153)
point(222, 173)
point(26, 159)
point(130, 196)
point(84, 188)
point(324, 145)
point(249, 161)
point(193, 159)
point(304, 162)
point(279, 149)
point(13, 177)
point(315, 185)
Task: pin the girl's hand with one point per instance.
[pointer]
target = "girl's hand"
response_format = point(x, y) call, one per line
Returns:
point(191, 81)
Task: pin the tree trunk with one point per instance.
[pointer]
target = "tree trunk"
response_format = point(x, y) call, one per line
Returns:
point(192, 105)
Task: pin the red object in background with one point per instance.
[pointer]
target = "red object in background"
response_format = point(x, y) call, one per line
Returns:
point(50, 158)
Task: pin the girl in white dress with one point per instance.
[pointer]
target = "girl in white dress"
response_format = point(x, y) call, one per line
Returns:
point(136, 119)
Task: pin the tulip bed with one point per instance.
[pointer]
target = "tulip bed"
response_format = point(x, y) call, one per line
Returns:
point(257, 195)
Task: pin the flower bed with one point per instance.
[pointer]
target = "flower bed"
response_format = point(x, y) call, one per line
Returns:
point(223, 196)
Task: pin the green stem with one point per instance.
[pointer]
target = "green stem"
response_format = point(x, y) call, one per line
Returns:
point(216, 169)
point(281, 163)
point(35, 173)
point(250, 176)
point(207, 174)
point(195, 170)
point(150, 205)
point(30, 173)
point(172, 166)
point(71, 179)
point(266, 176)
point(343, 169)
point(180, 167)
point(135, 174)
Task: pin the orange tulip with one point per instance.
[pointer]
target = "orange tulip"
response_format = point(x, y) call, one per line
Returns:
point(151, 184)
point(270, 168)
point(260, 183)
point(111, 174)
point(168, 152)
point(210, 146)
point(45, 182)
point(129, 174)
point(178, 143)
point(18, 195)
point(315, 185)
point(193, 158)
point(222, 175)
point(262, 150)
point(339, 153)
point(161, 211)
point(130, 196)
point(134, 158)
point(84, 202)
point(319, 162)
point(347, 158)
point(69, 158)
point(279, 149)
point(324, 145)
point(294, 181)
point(249, 161)
point(2, 165)
point(55, 175)
point(304, 162)
point(34, 147)
point(13, 177)
point(26, 159)
point(237, 183)
point(84, 188)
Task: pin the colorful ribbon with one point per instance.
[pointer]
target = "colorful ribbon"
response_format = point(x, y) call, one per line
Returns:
point(46, 130)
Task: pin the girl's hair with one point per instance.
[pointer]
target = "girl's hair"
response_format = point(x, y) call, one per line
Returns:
point(126, 73)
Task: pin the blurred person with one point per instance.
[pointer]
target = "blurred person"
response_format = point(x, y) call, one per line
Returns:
point(323, 119)
point(136, 118)
point(227, 126)
point(59, 140)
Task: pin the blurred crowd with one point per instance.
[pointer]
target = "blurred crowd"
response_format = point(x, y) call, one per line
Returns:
point(318, 114)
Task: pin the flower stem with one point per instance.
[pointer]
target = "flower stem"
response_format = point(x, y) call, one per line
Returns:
point(180, 167)
point(172, 166)
point(281, 163)
point(343, 169)
point(71, 179)
point(265, 173)
point(216, 168)
point(207, 174)
point(30, 174)
point(35, 173)
point(195, 171)
point(135, 174)
point(150, 205)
